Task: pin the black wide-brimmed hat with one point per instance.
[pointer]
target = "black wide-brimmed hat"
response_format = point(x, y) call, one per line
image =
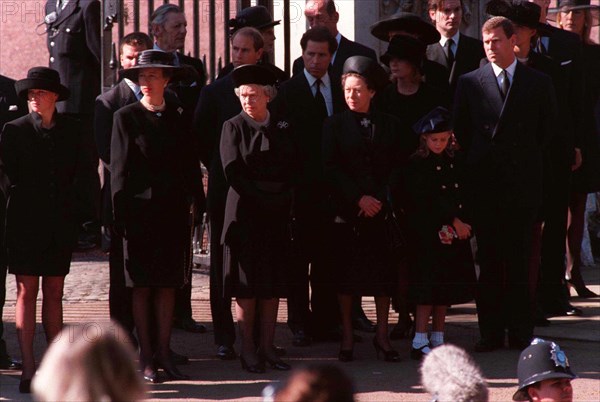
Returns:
point(248, 74)
point(153, 59)
point(568, 5)
point(410, 23)
point(256, 17)
point(405, 47)
point(369, 69)
point(520, 12)
point(542, 360)
point(436, 121)
point(42, 78)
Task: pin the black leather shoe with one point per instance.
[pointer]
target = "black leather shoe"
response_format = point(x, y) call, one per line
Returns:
point(226, 352)
point(391, 355)
point(418, 354)
point(277, 364)
point(363, 324)
point(151, 377)
point(189, 325)
point(257, 368)
point(564, 309)
point(301, 339)
point(487, 345)
point(8, 363)
point(178, 359)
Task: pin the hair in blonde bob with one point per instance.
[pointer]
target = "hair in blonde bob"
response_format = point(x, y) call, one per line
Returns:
point(92, 362)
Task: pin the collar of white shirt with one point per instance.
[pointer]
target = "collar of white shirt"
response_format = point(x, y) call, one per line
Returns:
point(137, 91)
point(455, 38)
point(510, 70)
point(325, 81)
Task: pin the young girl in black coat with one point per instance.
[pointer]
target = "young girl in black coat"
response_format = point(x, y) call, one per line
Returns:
point(442, 272)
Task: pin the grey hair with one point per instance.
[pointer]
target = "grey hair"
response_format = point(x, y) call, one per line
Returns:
point(159, 16)
point(450, 375)
point(269, 90)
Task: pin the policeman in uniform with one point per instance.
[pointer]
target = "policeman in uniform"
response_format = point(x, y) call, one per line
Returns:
point(544, 373)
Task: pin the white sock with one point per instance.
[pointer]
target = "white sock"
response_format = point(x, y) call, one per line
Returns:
point(437, 338)
point(420, 340)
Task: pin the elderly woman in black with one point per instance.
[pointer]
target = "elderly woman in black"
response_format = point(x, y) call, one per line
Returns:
point(258, 160)
point(42, 160)
point(361, 151)
point(156, 190)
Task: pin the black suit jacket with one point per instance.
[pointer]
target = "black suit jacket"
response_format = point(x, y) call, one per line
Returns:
point(504, 141)
point(346, 49)
point(41, 172)
point(296, 102)
point(468, 55)
point(75, 52)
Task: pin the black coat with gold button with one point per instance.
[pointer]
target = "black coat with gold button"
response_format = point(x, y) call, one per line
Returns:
point(440, 274)
point(40, 174)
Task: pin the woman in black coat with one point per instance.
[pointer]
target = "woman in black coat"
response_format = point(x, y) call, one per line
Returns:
point(579, 17)
point(361, 151)
point(157, 188)
point(258, 158)
point(42, 163)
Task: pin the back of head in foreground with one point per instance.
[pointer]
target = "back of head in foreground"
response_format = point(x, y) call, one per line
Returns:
point(89, 363)
point(316, 383)
point(449, 374)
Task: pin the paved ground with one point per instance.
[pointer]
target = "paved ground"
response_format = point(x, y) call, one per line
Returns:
point(86, 295)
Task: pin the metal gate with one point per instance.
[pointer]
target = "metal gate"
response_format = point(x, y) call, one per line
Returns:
point(207, 37)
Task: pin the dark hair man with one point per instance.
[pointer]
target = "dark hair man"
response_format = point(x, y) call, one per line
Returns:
point(504, 116)
point(307, 99)
point(323, 13)
point(456, 51)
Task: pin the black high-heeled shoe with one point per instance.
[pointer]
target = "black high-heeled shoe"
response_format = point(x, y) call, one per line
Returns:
point(257, 368)
point(25, 386)
point(172, 371)
point(403, 329)
point(151, 376)
point(581, 289)
point(388, 355)
point(346, 355)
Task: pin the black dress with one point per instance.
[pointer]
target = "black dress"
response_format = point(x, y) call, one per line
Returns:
point(362, 157)
point(440, 274)
point(410, 108)
point(259, 165)
point(41, 171)
point(155, 178)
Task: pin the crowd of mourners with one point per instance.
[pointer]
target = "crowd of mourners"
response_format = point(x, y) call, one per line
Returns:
point(445, 170)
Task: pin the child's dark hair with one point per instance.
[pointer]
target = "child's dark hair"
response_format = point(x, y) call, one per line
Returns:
point(423, 150)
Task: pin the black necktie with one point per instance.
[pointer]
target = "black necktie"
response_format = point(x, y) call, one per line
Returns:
point(505, 84)
point(320, 100)
point(449, 52)
point(540, 48)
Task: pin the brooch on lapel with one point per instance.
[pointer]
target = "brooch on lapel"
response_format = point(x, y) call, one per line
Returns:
point(283, 124)
point(180, 110)
point(365, 122)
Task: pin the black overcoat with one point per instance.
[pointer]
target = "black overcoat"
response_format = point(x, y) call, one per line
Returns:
point(155, 178)
point(354, 168)
point(41, 174)
point(259, 164)
point(441, 274)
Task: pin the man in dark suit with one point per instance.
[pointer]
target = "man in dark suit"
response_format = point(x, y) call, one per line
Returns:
point(565, 48)
point(11, 107)
point(124, 93)
point(459, 53)
point(169, 28)
point(504, 115)
point(218, 104)
point(73, 38)
point(323, 13)
point(307, 99)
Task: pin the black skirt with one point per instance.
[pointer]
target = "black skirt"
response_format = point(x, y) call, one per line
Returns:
point(257, 252)
point(364, 263)
point(54, 260)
